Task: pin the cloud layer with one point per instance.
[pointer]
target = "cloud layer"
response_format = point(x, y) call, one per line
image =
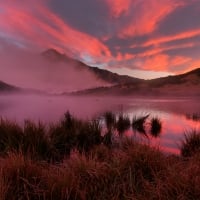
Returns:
point(134, 35)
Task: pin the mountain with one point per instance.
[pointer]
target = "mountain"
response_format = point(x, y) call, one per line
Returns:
point(102, 74)
point(4, 87)
point(187, 84)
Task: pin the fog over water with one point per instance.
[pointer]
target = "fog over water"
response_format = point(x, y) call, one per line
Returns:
point(32, 70)
point(172, 112)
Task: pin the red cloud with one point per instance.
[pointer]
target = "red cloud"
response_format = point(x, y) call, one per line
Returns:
point(126, 56)
point(146, 16)
point(43, 28)
point(162, 62)
point(118, 7)
point(159, 50)
point(179, 36)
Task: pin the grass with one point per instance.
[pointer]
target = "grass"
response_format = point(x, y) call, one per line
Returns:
point(134, 171)
point(138, 124)
point(190, 144)
point(70, 160)
point(156, 127)
point(123, 124)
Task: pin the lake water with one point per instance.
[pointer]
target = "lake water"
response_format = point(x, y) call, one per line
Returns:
point(178, 115)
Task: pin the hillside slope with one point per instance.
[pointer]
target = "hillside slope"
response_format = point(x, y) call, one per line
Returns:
point(102, 74)
point(187, 84)
point(4, 87)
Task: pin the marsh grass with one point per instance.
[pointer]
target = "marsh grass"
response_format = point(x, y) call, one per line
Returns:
point(11, 136)
point(110, 120)
point(86, 168)
point(138, 124)
point(190, 144)
point(123, 124)
point(56, 141)
point(133, 171)
point(156, 127)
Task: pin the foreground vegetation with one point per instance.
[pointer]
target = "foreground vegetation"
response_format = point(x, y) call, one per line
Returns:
point(74, 159)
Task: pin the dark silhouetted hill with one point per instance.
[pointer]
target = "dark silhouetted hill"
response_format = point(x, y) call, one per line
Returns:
point(4, 87)
point(187, 84)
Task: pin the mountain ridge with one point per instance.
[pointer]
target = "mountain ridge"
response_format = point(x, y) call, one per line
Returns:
point(102, 74)
point(5, 87)
point(183, 84)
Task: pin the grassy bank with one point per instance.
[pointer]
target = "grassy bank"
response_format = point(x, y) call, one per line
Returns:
point(73, 160)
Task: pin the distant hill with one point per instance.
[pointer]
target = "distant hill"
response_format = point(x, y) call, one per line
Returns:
point(187, 84)
point(102, 74)
point(4, 87)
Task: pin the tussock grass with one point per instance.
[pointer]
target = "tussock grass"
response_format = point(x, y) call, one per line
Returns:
point(134, 171)
point(123, 124)
point(11, 136)
point(70, 160)
point(190, 144)
point(138, 124)
point(156, 127)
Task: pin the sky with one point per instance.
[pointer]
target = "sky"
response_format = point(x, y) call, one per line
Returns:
point(140, 38)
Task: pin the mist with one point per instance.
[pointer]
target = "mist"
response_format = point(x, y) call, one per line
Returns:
point(31, 70)
point(51, 108)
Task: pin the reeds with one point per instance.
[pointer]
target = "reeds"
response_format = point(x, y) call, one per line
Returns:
point(69, 160)
point(190, 145)
point(56, 141)
point(133, 171)
point(156, 127)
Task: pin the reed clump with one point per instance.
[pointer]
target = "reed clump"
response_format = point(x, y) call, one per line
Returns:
point(70, 160)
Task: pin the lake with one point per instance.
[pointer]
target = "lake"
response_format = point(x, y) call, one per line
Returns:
point(177, 115)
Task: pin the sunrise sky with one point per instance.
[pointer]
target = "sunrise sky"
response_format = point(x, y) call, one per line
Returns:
point(141, 38)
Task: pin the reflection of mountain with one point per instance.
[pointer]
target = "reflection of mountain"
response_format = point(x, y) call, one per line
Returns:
point(4, 87)
point(183, 85)
point(101, 74)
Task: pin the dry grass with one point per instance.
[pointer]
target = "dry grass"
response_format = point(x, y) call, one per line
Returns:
point(190, 144)
point(91, 170)
point(133, 172)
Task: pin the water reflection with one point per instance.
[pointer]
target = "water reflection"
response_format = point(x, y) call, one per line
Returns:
point(170, 112)
point(193, 116)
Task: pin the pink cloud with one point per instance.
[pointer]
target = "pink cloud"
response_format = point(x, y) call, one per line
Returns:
point(41, 27)
point(146, 16)
point(118, 7)
point(159, 50)
point(179, 36)
point(162, 62)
